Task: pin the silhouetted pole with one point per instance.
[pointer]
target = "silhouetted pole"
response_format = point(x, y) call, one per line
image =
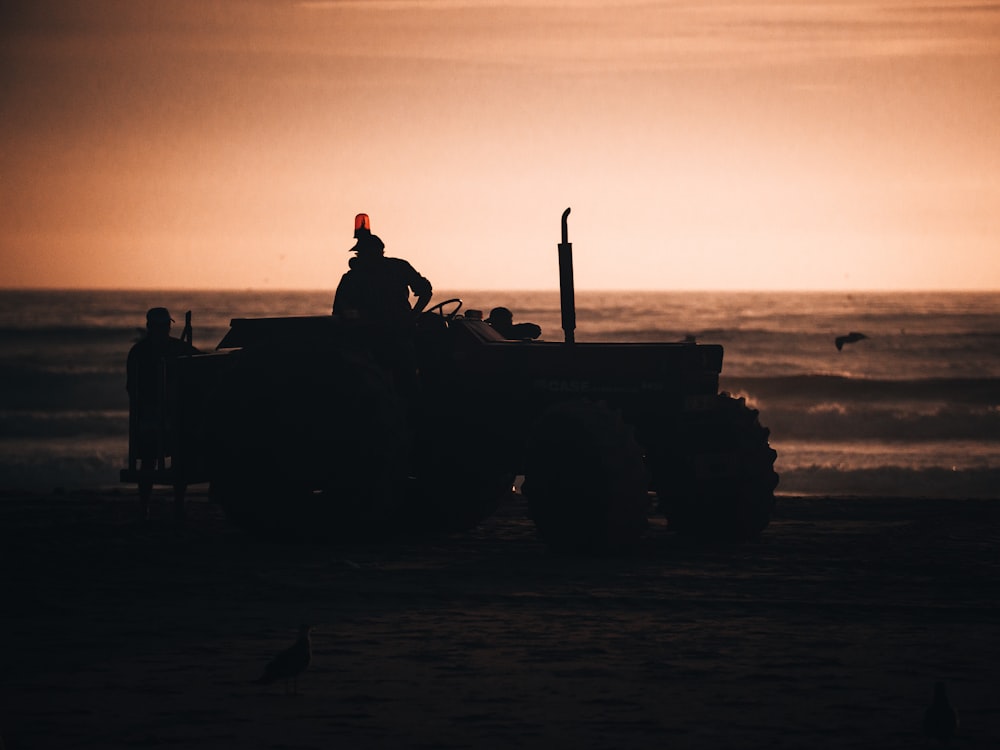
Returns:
point(567, 299)
point(188, 333)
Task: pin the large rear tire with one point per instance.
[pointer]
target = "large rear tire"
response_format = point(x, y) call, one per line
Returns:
point(311, 445)
point(713, 472)
point(318, 446)
point(585, 480)
point(459, 474)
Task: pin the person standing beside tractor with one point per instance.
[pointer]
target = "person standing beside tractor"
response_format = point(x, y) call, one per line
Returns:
point(149, 370)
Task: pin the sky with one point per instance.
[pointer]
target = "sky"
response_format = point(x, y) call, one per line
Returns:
point(702, 145)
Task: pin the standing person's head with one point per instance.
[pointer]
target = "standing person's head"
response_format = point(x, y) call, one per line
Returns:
point(369, 246)
point(158, 321)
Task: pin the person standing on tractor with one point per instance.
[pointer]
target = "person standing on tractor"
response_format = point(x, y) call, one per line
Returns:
point(149, 371)
point(376, 290)
point(375, 295)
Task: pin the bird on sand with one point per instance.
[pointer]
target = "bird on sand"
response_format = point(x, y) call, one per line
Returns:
point(848, 339)
point(940, 718)
point(290, 663)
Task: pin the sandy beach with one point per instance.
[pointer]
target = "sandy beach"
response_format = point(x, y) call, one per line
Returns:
point(827, 633)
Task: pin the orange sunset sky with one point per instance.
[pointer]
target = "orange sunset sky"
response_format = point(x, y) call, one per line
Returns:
point(717, 144)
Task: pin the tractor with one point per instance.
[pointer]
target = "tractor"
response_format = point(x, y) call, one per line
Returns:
point(304, 430)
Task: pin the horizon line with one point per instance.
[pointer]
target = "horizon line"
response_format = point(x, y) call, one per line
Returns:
point(493, 290)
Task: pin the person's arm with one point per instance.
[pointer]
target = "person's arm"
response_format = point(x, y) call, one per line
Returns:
point(421, 303)
point(422, 288)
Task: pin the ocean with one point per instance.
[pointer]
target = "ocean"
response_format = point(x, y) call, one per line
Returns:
point(912, 410)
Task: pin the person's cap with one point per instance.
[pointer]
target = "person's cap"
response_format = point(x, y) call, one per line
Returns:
point(158, 315)
point(368, 242)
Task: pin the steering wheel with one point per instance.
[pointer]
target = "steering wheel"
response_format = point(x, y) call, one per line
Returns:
point(439, 308)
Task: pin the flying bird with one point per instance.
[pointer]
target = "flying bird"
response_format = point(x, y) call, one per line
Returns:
point(290, 663)
point(940, 718)
point(848, 339)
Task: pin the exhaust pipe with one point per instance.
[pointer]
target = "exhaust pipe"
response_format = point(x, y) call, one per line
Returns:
point(567, 301)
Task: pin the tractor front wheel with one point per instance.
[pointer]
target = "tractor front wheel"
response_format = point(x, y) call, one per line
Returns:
point(713, 472)
point(585, 480)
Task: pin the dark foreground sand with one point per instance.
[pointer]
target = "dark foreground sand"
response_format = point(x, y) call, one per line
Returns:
point(828, 633)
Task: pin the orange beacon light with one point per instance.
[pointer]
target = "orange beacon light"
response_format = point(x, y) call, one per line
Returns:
point(362, 225)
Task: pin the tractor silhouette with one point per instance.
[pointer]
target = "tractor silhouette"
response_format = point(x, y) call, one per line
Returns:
point(302, 431)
